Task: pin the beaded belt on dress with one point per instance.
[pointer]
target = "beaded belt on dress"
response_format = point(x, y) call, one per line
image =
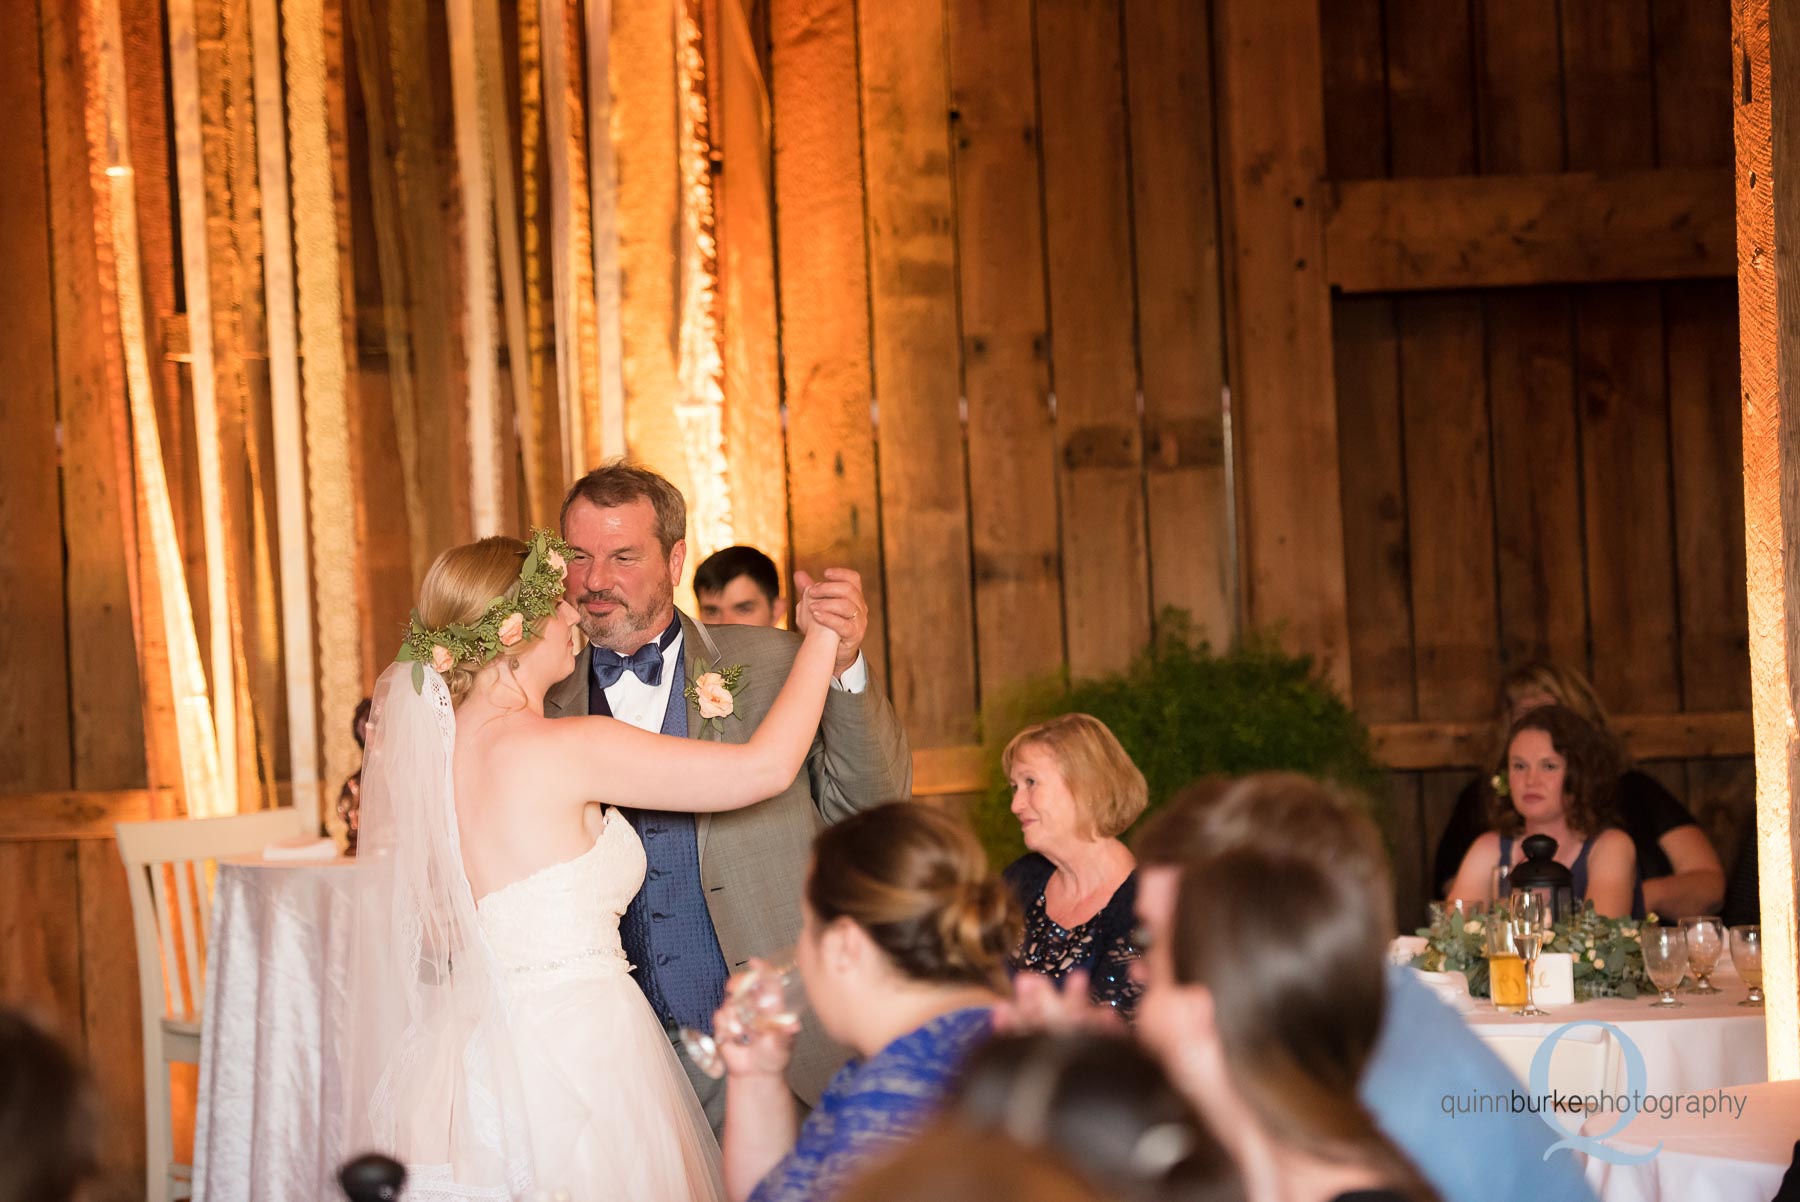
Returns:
point(543, 966)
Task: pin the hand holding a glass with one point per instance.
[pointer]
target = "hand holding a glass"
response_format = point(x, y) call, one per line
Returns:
point(753, 1031)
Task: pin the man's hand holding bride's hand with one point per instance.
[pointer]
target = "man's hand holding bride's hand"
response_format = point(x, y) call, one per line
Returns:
point(835, 603)
point(765, 1048)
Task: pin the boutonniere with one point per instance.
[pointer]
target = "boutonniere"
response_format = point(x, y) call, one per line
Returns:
point(714, 693)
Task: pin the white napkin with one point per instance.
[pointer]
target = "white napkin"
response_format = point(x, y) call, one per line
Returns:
point(300, 849)
point(1452, 989)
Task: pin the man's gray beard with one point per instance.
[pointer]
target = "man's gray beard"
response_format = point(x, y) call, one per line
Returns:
point(629, 637)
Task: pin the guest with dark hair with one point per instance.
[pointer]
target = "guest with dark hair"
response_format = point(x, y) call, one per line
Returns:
point(1677, 866)
point(1559, 772)
point(1266, 989)
point(739, 586)
point(1075, 791)
point(1102, 1103)
point(49, 1118)
point(349, 802)
point(1421, 1050)
point(951, 1164)
point(903, 939)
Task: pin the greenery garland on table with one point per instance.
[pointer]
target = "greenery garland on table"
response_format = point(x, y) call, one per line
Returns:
point(1182, 712)
point(1607, 956)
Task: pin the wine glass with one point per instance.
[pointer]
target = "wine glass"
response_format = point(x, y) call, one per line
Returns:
point(1705, 944)
point(1746, 957)
point(1665, 960)
point(1498, 887)
point(1528, 915)
point(765, 996)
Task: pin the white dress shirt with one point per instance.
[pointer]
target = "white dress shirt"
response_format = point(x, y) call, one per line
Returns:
point(644, 705)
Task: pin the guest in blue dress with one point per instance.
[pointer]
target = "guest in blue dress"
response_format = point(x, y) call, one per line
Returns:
point(903, 940)
point(1413, 1052)
point(1075, 791)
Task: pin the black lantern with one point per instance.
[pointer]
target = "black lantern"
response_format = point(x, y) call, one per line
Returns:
point(1541, 874)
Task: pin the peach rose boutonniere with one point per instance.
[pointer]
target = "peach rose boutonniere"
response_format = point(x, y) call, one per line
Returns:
point(713, 692)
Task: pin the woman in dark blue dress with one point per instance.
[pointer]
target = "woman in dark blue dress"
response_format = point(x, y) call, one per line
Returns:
point(1075, 791)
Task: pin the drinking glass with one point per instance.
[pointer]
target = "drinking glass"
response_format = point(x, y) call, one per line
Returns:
point(1528, 916)
point(1705, 944)
point(1746, 957)
point(1506, 972)
point(761, 998)
point(1665, 960)
point(1497, 883)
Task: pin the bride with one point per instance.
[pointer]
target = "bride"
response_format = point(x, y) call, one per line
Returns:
point(497, 1041)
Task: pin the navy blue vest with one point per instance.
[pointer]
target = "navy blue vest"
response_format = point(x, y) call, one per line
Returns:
point(667, 933)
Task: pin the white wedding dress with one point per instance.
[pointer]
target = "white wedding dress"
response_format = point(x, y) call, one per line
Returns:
point(527, 1056)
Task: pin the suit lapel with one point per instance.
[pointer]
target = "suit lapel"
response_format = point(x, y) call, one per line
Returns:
point(690, 639)
point(569, 696)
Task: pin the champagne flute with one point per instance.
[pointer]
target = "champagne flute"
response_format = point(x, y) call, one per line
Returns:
point(763, 997)
point(1746, 957)
point(1665, 960)
point(1705, 943)
point(1528, 915)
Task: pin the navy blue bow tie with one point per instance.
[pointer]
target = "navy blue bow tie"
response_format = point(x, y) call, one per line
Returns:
point(646, 663)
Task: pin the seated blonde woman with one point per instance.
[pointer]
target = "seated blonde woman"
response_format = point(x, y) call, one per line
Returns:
point(1559, 775)
point(1075, 791)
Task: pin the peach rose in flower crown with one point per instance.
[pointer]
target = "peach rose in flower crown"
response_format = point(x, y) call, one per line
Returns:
point(441, 659)
point(512, 630)
point(713, 698)
point(557, 563)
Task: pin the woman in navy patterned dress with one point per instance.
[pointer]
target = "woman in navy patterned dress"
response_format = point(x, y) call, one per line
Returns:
point(905, 930)
point(1075, 791)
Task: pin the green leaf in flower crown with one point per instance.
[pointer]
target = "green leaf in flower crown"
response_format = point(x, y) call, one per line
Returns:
point(418, 627)
point(531, 563)
point(407, 655)
point(418, 677)
point(463, 632)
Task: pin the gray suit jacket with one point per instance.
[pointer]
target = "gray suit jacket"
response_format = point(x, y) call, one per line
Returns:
point(753, 860)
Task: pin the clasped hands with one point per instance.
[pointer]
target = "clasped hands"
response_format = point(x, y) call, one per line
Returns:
point(836, 603)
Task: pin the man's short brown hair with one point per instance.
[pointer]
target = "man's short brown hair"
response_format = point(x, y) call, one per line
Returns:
point(619, 482)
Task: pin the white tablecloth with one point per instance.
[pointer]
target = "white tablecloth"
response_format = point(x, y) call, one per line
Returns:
point(1710, 1043)
point(1726, 1157)
point(269, 1112)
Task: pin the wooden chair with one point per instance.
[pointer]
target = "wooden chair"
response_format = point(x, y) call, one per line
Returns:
point(168, 865)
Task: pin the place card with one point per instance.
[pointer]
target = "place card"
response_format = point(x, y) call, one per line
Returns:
point(1553, 979)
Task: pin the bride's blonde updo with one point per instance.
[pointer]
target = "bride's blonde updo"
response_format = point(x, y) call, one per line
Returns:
point(919, 883)
point(458, 588)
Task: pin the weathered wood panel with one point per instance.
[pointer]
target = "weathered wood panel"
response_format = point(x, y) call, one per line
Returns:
point(40, 934)
point(1015, 544)
point(1099, 433)
point(1181, 349)
point(1497, 231)
point(912, 305)
point(1291, 527)
point(112, 1022)
point(34, 711)
point(823, 265)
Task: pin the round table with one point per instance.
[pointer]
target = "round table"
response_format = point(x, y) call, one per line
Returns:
point(268, 1115)
point(1737, 1154)
point(1710, 1043)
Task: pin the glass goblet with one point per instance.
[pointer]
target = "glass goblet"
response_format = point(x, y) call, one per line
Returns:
point(1705, 944)
point(763, 997)
point(1665, 960)
point(1528, 917)
point(1746, 957)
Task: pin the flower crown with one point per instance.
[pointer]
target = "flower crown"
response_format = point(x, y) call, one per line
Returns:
point(508, 620)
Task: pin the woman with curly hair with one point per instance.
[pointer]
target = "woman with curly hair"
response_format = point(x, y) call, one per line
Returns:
point(1560, 773)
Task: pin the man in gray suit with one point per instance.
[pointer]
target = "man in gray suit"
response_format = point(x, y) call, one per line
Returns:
point(718, 888)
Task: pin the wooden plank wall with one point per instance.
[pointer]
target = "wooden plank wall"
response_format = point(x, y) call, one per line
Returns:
point(1544, 471)
point(1001, 335)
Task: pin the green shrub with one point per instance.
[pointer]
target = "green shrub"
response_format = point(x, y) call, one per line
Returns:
point(1183, 712)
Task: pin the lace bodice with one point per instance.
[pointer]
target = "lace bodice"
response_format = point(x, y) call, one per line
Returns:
point(562, 922)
